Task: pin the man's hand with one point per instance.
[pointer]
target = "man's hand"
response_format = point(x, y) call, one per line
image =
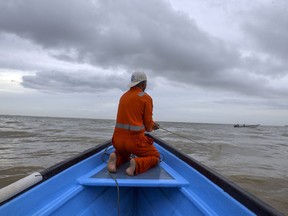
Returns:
point(156, 126)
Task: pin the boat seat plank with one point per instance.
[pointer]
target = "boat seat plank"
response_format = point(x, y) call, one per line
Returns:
point(159, 176)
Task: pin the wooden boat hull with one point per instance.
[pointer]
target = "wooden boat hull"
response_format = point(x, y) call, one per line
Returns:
point(74, 187)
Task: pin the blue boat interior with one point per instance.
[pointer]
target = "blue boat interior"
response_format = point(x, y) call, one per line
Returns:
point(86, 188)
point(159, 176)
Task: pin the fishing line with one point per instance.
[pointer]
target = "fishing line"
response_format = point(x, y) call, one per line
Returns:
point(105, 153)
point(183, 137)
point(162, 157)
point(214, 152)
point(118, 192)
point(116, 182)
point(179, 135)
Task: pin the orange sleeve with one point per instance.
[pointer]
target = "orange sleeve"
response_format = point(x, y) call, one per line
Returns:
point(148, 113)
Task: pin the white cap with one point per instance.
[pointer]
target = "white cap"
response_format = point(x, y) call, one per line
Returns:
point(137, 77)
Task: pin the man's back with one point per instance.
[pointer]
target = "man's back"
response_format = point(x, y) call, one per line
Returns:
point(135, 110)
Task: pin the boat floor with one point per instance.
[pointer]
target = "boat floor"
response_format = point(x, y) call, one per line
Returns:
point(159, 176)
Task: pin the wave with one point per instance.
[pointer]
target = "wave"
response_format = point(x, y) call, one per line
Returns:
point(16, 134)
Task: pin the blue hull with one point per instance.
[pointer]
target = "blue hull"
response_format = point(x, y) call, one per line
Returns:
point(178, 186)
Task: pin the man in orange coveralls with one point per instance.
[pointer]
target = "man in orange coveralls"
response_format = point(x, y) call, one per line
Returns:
point(134, 117)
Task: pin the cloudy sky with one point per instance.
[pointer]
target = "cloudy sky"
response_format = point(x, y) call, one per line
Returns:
point(210, 61)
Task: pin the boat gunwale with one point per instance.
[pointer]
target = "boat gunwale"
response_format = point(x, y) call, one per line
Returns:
point(63, 165)
point(256, 205)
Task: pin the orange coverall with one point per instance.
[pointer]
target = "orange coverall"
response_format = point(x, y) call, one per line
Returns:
point(134, 117)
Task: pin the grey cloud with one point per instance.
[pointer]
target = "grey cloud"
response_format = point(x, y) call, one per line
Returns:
point(59, 81)
point(268, 66)
point(265, 104)
point(267, 27)
point(49, 23)
point(127, 34)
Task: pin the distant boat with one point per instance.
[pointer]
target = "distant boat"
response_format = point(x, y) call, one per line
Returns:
point(81, 185)
point(244, 125)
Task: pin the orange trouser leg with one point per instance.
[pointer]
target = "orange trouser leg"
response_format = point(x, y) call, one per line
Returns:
point(122, 154)
point(145, 163)
point(142, 147)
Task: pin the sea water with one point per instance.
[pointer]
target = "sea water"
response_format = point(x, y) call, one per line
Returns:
point(254, 158)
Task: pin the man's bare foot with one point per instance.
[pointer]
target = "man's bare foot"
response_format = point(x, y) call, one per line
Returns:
point(112, 163)
point(131, 169)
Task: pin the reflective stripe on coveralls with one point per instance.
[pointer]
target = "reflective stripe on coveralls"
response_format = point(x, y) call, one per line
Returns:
point(141, 94)
point(130, 127)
